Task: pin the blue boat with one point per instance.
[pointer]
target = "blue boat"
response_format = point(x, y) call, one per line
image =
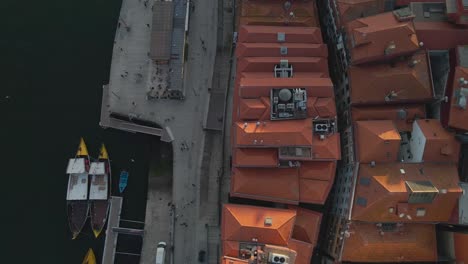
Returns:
point(123, 180)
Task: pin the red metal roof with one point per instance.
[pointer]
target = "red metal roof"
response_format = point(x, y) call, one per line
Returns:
point(366, 242)
point(461, 244)
point(382, 193)
point(458, 117)
point(370, 38)
point(403, 81)
point(401, 115)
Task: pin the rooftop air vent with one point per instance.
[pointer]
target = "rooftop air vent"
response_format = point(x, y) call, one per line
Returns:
point(283, 69)
point(323, 126)
point(284, 50)
point(404, 14)
point(281, 37)
point(275, 258)
point(268, 221)
point(288, 104)
point(460, 96)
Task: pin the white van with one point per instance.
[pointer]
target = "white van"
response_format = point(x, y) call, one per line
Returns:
point(161, 253)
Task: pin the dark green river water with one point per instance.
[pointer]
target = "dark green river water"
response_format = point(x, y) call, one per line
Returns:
point(55, 56)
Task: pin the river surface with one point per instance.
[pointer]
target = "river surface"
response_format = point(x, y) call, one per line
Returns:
point(55, 57)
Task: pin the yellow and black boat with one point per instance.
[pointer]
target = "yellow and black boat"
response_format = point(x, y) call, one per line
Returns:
point(99, 191)
point(77, 191)
point(90, 258)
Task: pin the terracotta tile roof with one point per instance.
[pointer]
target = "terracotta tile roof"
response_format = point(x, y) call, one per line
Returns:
point(275, 134)
point(267, 64)
point(403, 81)
point(304, 251)
point(382, 192)
point(328, 148)
point(461, 244)
point(377, 140)
point(274, 50)
point(267, 34)
point(266, 12)
point(440, 145)
point(401, 115)
point(458, 117)
point(230, 248)
point(243, 222)
point(370, 37)
point(305, 227)
point(292, 231)
point(279, 185)
point(315, 87)
point(349, 10)
point(410, 242)
point(229, 260)
point(318, 170)
point(255, 157)
point(254, 109)
point(440, 35)
point(261, 75)
point(314, 191)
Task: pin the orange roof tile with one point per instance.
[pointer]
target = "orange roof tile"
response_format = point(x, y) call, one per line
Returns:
point(254, 109)
point(306, 226)
point(267, 64)
point(353, 9)
point(274, 50)
point(265, 12)
point(458, 117)
point(314, 191)
point(325, 107)
point(268, 34)
point(431, 34)
point(243, 223)
point(318, 170)
point(326, 149)
point(461, 244)
point(261, 75)
point(315, 87)
point(278, 184)
point(229, 260)
point(440, 145)
point(411, 242)
point(271, 133)
point(389, 83)
point(377, 140)
point(230, 248)
point(402, 115)
point(382, 194)
point(304, 251)
point(255, 157)
point(370, 37)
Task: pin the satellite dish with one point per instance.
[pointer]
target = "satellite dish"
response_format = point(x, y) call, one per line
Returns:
point(284, 95)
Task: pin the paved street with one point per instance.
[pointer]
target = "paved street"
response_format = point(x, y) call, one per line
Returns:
point(130, 72)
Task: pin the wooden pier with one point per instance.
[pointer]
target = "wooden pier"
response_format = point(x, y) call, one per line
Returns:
point(113, 221)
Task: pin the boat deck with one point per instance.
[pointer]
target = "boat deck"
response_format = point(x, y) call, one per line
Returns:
point(98, 189)
point(77, 186)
